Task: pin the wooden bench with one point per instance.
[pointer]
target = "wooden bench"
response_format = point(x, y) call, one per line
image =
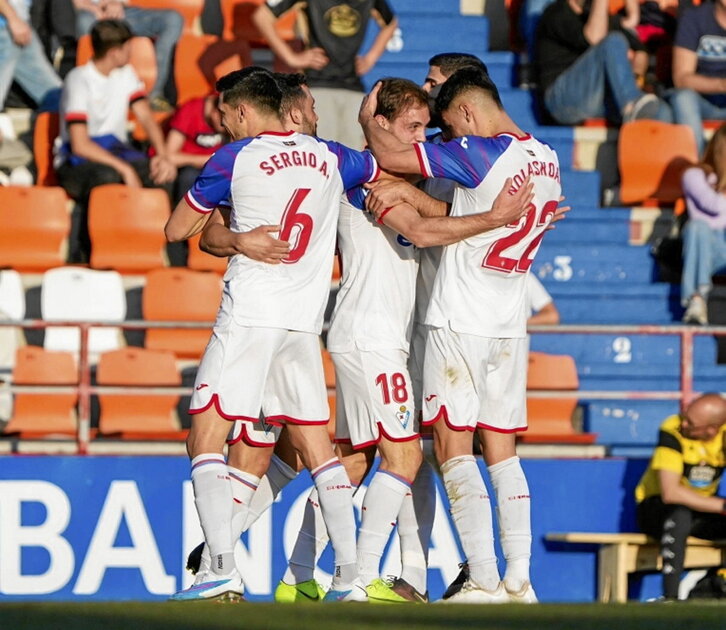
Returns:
point(622, 554)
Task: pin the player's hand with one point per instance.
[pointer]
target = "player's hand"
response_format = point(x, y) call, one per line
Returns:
point(559, 214)
point(385, 194)
point(162, 171)
point(19, 31)
point(259, 245)
point(369, 104)
point(314, 58)
point(510, 208)
point(363, 63)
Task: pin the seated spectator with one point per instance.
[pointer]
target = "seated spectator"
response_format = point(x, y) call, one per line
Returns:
point(163, 26)
point(22, 58)
point(540, 305)
point(704, 234)
point(584, 70)
point(676, 497)
point(55, 23)
point(94, 116)
point(699, 67)
point(195, 132)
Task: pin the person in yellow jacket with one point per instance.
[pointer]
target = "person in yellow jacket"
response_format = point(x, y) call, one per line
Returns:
point(676, 496)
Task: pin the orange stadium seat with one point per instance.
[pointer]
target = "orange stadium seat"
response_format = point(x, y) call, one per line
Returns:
point(138, 415)
point(45, 131)
point(127, 228)
point(550, 419)
point(201, 261)
point(46, 415)
point(143, 57)
point(237, 18)
point(652, 156)
point(180, 294)
point(190, 10)
point(35, 226)
point(202, 59)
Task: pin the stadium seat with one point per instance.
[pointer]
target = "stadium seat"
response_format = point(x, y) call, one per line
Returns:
point(45, 132)
point(41, 414)
point(127, 228)
point(201, 261)
point(35, 225)
point(78, 294)
point(202, 59)
point(237, 20)
point(143, 57)
point(190, 10)
point(550, 419)
point(12, 306)
point(179, 294)
point(652, 156)
point(12, 294)
point(138, 415)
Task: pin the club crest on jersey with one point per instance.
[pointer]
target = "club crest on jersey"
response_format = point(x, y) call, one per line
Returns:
point(403, 416)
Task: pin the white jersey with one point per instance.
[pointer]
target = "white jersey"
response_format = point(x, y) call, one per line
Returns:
point(481, 285)
point(101, 101)
point(295, 181)
point(374, 305)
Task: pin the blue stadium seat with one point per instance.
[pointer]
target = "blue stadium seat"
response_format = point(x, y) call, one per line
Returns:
point(628, 422)
point(581, 188)
point(440, 7)
point(603, 229)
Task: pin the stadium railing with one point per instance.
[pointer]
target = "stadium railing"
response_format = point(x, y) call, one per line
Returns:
point(85, 389)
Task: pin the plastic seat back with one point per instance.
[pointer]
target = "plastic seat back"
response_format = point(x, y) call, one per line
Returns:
point(37, 414)
point(45, 132)
point(652, 156)
point(75, 293)
point(190, 10)
point(134, 413)
point(35, 226)
point(180, 294)
point(143, 57)
point(127, 228)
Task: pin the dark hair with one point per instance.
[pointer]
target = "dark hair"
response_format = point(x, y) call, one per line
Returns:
point(253, 85)
point(462, 81)
point(108, 34)
point(291, 84)
point(397, 95)
point(449, 63)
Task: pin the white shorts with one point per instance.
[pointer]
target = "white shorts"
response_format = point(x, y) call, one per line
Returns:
point(260, 433)
point(475, 382)
point(374, 397)
point(248, 373)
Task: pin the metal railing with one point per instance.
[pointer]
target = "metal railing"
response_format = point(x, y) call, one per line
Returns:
point(85, 389)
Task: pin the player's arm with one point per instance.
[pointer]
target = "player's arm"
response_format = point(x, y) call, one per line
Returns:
point(548, 315)
point(674, 492)
point(390, 153)
point(258, 244)
point(387, 193)
point(430, 231)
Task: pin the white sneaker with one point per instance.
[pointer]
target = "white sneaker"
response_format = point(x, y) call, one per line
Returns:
point(470, 593)
point(696, 312)
point(524, 595)
point(208, 585)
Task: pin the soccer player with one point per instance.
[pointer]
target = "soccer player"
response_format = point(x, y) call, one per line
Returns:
point(476, 351)
point(264, 354)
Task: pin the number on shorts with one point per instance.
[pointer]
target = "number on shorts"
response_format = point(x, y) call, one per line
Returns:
point(495, 259)
point(291, 219)
point(396, 389)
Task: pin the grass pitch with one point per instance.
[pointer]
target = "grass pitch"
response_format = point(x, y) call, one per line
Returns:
point(245, 616)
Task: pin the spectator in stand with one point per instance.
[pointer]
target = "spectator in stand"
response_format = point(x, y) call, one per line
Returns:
point(22, 58)
point(540, 305)
point(699, 67)
point(55, 23)
point(331, 59)
point(676, 497)
point(163, 26)
point(94, 116)
point(704, 234)
point(584, 70)
point(195, 132)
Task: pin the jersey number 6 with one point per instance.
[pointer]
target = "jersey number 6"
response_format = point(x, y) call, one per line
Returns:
point(291, 219)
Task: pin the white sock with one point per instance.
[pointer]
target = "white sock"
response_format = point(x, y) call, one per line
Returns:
point(278, 475)
point(310, 544)
point(336, 502)
point(213, 499)
point(244, 487)
point(381, 505)
point(515, 530)
point(415, 522)
point(471, 511)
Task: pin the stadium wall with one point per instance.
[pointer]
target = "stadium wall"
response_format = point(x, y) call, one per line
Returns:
point(119, 528)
